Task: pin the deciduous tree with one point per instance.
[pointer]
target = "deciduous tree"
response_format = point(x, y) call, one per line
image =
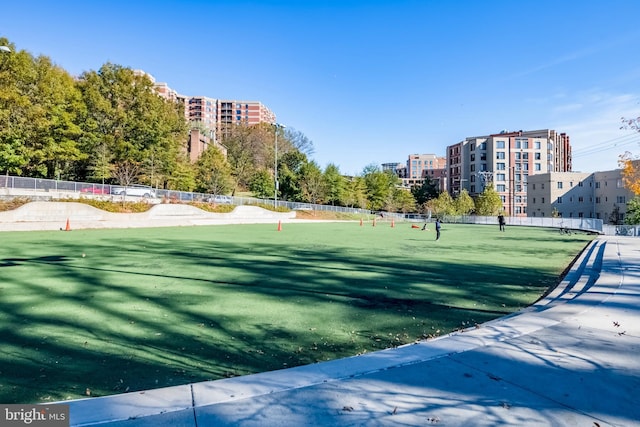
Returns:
point(488, 202)
point(212, 172)
point(335, 184)
point(630, 172)
point(312, 184)
point(464, 204)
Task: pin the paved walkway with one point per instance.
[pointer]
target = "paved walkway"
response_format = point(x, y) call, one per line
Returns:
point(570, 360)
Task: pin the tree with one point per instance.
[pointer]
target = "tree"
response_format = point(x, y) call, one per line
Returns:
point(488, 202)
point(425, 192)
point(290, 165)
point(355, 194)
point(299, 141)
point(39, 107)
point(630, 172)
point(335, 184)
point(212, 172)
point(380, 185)
point(442, 205)
point(100, 167)
point(262, 184)
point(633, 211)
point(614, 216)
point(124, 113)
point(464, 204)
point(126, 172)
point(312, 184)
point(250, 148)
point(183, 177)
point(403, 200)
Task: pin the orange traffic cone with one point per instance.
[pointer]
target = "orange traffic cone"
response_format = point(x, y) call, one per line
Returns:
point(68, 227)
point(393, 224)
point(279, 225)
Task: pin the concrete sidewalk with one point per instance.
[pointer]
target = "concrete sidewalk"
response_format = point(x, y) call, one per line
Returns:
point(570, 360)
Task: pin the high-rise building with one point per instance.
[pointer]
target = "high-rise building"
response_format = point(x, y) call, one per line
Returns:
point(212, 116)
point(506, 160)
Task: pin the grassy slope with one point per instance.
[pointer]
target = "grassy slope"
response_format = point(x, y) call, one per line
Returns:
point(147, 308)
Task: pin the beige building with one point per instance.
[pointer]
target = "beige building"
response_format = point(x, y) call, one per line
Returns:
point(598, 195)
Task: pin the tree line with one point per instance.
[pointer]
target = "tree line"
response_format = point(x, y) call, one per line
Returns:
point(111, 126)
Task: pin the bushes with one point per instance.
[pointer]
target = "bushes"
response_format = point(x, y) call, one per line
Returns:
point(14, 203)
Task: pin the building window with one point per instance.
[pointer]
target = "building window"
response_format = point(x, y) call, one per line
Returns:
point(580, 199)
point(533, 187)
point(559, 184)
point(500, 155)
point(538, 156)
point(499, 144)
point(597, 199)
point(559, 199)
point(621, 199)
point(500, 166)
point(536, 145)
point(473, 157)
point(580, 184)
point(500, 177)
point(598, 184)
point(534, 200)
point(619, 183)
point(501, 188)
point(537, 166)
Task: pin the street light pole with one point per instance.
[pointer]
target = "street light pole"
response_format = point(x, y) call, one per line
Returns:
point(275, 168)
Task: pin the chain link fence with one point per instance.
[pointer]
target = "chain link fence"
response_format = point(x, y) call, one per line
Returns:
point(49, 189)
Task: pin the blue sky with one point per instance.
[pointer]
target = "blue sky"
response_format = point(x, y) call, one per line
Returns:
point(373, 81)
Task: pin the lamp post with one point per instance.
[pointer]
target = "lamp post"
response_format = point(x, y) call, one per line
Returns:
point(275, 168)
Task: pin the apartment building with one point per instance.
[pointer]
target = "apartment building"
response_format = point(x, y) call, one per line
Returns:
point(600, 195)
point(213, 115)
point(506, 160)
point(418, 167)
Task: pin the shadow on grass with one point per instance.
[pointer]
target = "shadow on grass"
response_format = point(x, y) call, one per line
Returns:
point(142, 311)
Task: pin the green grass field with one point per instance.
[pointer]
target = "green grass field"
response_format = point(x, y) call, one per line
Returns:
point(146, 308)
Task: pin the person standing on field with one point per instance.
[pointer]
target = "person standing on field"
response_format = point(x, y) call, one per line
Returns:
point(438, 225)
point(501, 221)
